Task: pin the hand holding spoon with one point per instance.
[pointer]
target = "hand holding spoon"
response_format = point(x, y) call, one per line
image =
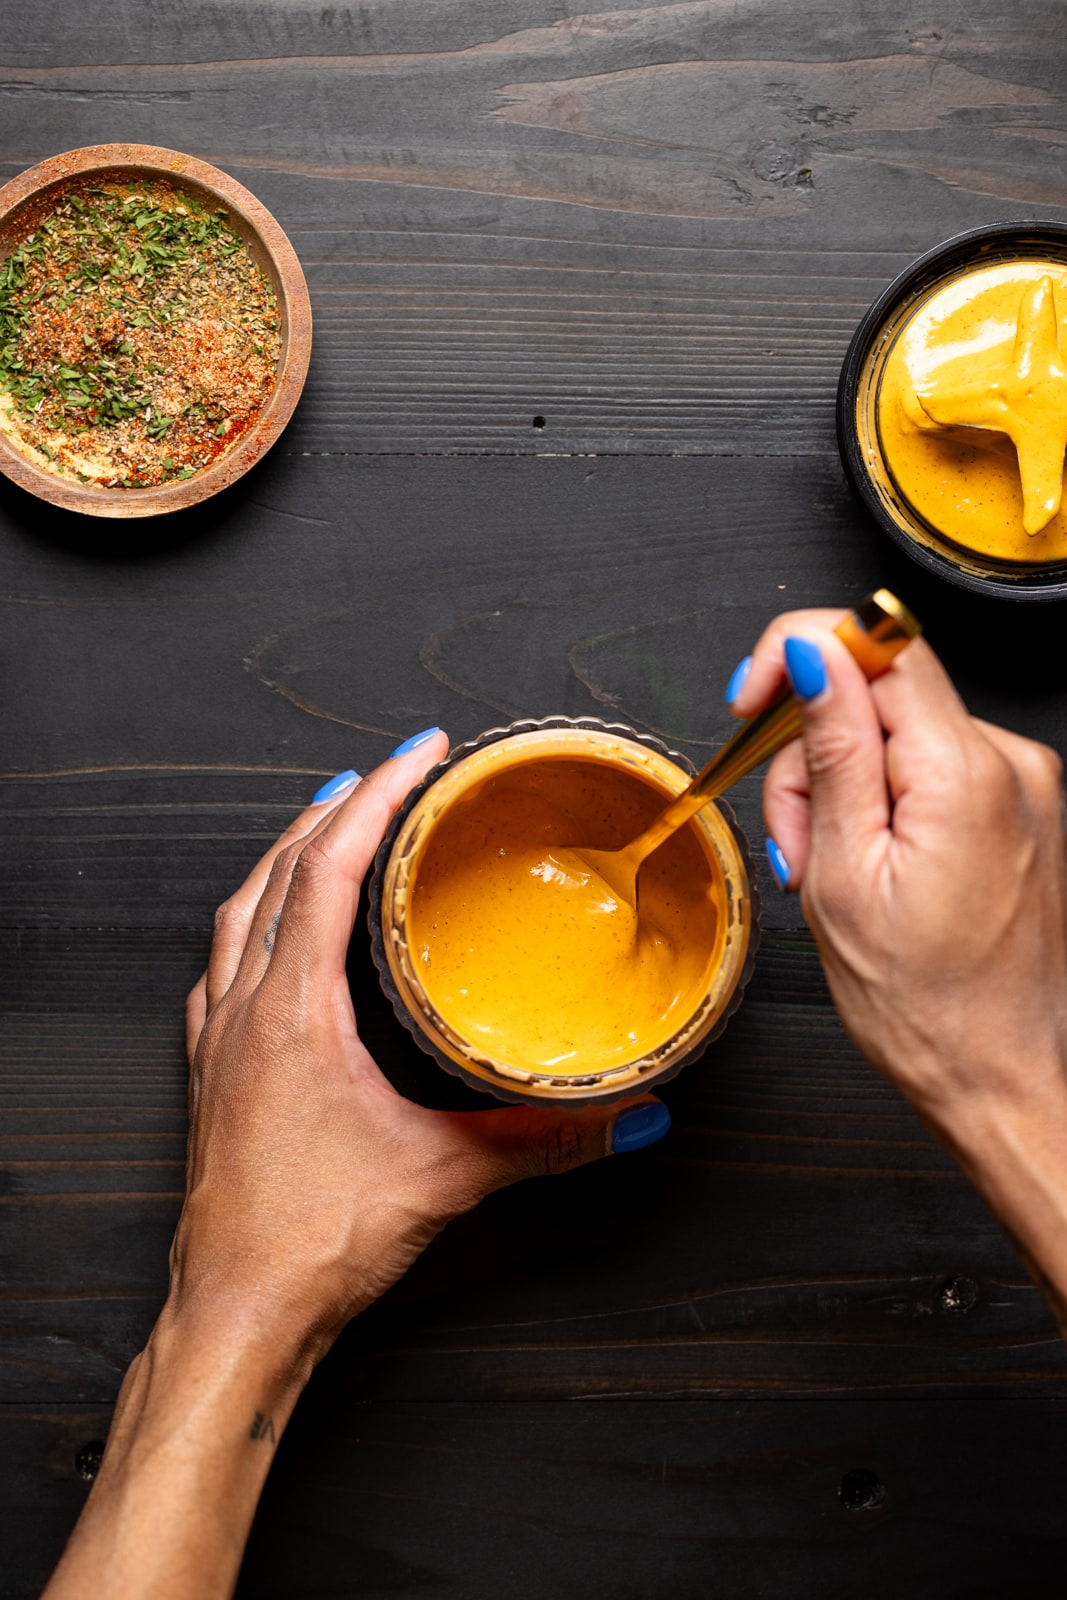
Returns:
point(875, 633)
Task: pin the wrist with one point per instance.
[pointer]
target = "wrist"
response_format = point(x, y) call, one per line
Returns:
point(205, 1387)
point(245, 1310)
point(199, 1414)
point(981, 1089)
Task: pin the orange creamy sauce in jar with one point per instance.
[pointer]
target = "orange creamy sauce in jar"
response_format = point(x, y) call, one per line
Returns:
point(541, 967)
point(972, 410)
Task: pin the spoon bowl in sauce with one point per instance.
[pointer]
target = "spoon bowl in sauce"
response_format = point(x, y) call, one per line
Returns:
point(530, 980)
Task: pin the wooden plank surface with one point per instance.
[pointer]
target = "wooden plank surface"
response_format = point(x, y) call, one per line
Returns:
point(654, 226)
point(582, 284)
point(797, 1234)
point(563, 1502)
point(166, 714)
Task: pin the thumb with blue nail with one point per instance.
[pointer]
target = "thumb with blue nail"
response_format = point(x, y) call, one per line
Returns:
point(832, 783)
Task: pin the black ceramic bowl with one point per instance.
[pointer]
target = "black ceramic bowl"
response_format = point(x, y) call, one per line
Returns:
point(554, 738)
point(857, 396)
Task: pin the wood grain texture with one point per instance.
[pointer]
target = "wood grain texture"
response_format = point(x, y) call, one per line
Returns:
point(166, 714)
point(624, 1502)
point(653, 226)
point(798, 1233)
point(464, 593)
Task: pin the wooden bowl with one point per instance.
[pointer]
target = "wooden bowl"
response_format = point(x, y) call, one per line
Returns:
point(31, 194)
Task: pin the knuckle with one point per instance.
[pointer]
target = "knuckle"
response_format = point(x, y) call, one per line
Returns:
point(1016, 801)
point(285, 863)
point(563, 1148)
point(226, 918)
point(1023, 783)
point(313, 863)
point(1047, 768)
point(829, 750)
point(990, 773)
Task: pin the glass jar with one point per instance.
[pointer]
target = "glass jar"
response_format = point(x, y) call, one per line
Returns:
point(642, 774)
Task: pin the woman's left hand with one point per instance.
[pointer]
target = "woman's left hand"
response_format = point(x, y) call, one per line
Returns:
point(313, 1184)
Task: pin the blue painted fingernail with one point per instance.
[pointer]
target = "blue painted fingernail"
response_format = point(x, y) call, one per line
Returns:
point(737, 682)
point(640, 1126)
point(343, 781)
point(806, 667)
point(414, 742)
point(779, 865)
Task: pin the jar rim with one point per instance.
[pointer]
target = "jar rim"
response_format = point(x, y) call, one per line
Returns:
point(976, 248)
point(651, 761)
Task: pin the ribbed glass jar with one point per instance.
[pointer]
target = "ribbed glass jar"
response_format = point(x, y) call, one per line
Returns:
point(644, 760)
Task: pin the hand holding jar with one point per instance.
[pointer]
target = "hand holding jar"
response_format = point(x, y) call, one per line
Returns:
point(312, 1185)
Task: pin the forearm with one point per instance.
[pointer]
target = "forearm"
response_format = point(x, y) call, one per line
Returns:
point(197, 1422)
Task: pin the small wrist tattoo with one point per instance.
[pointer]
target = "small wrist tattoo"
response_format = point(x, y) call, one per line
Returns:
point(268, 937)
point(262, 1427)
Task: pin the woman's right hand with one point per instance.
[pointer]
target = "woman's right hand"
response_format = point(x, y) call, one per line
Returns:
point(928, 850)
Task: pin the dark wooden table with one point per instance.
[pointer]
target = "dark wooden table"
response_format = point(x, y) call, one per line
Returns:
point(582, 284)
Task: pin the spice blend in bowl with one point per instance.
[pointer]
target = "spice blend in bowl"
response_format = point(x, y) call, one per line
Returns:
point(137, 336)
point(154, 330)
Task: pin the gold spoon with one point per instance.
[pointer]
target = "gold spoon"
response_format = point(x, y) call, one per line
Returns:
point(875, 633)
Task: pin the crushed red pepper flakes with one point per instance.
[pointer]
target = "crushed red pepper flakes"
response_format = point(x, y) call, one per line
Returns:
point(138, 338)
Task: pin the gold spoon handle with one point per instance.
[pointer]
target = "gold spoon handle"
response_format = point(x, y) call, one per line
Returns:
point(874, 633)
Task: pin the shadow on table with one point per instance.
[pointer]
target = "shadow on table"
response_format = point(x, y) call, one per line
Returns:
point(125, 539)
point(1001, 647)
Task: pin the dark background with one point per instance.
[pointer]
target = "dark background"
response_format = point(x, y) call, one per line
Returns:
point(582, 284)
